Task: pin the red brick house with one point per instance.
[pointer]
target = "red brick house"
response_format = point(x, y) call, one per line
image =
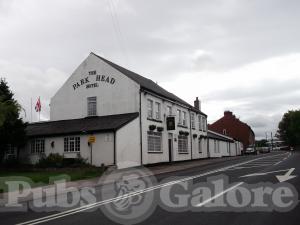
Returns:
point(233, 127)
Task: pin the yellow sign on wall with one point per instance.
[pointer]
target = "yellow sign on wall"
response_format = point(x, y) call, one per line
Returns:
point(92, 139)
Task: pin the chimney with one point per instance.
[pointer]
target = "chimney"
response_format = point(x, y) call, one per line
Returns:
point(197, 104)
point(228, 113)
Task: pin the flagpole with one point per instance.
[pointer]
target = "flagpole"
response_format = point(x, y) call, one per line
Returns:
point(31, 109)
point(40, 109)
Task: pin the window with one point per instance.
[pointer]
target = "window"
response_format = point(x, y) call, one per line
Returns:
point(92, 106)
point(150, 108)
point(200, 145)
point(179, 117)
point(154, 142)
point(184, 118)
point(10, 149)
point(224, 131)
point(200, 122)
point(169, 110)
point(182, 144)
point(204, 124)
point(72, 144)
point(157, 110)
point(193, 120)
point(37, 146)
point(228, 147)
point(215, 146)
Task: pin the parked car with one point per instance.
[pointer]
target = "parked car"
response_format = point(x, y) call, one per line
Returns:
point(264, 150)
point(251, 150)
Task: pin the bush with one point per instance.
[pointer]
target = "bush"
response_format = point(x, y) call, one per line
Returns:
point(54, 160)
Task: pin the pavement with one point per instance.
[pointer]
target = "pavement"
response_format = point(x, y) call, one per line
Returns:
point(244, 171)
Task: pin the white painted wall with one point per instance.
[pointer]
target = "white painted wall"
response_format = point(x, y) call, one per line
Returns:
point(103, 149)
point(128, 145)
point(150, 158)
point(120, 97)
point(212, 152)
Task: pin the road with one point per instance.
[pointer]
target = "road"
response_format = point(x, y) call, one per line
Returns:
point(242, 172)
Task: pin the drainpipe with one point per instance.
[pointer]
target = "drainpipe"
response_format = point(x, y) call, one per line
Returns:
point(191, 136)
point(141, 141)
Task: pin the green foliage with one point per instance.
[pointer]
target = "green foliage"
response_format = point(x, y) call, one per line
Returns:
point(261, 143)
point(289, 128)
point(12, 127)
point(55, 160)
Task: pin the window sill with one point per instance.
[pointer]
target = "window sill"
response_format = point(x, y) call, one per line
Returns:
point(154, 120)
point(179, 125)
point(71, 152)
point(183, 153)
point(156, 152)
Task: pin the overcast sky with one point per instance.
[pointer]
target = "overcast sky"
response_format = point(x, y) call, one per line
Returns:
point(235, 55)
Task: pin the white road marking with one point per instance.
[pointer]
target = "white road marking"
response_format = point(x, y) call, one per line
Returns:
point(90, 206)
point(261, 174)
point(218, 195)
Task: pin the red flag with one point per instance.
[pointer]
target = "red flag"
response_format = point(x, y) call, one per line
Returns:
point(38, 105)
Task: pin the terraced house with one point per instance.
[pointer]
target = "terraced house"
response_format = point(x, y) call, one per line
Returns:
point(112, 116)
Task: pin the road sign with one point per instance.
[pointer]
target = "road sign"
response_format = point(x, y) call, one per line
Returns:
point(92, 139)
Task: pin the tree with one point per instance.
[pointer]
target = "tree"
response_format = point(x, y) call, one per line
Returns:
point(261, 143)
point(289, 128)
point(12, 127)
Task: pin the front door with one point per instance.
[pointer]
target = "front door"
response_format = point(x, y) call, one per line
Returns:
point(170, 146)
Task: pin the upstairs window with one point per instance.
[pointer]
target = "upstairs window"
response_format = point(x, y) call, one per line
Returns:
point(224, 131)
point(157, 110)
point(72, 144)
point(92, 106)
point(150, 108)
point(179, 117)
point(169, 110)
point(200, 122)
point(184, 122)
point(193, 120)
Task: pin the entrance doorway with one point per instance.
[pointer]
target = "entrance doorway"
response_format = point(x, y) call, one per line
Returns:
point(170, 146)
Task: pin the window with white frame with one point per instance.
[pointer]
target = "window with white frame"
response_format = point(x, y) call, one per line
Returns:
point(150, 108)
point(179, 116)
point(224, 131)
point(154, 142)
point(10, 149)
point(169, 110)
point(200, 122)
point(204, 123)
point(72, 144)
point(182, 144)
point(157, 110)
point(184, 122)
point(37, 146)
point(200, 145)
point(92, 106)
point(215, 146)
point(193, 120)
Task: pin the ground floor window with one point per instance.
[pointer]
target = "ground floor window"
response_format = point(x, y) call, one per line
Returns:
point(72, 144)
point(10, 149)
point(216, 146)
point(154, 142)
point(200, 145)
point(182, 144)
point(37, 146)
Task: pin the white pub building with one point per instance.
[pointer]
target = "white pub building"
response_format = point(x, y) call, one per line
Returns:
point(112, 116)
